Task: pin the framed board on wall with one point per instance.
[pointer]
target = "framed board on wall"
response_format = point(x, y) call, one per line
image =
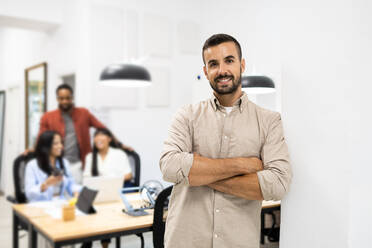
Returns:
point(36, 100)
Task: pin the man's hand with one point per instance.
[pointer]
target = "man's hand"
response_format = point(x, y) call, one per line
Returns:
point(252, 164)
point(246, 186)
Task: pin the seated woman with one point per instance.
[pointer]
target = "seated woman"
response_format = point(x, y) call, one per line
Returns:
point(106, 159)
point(48, 175)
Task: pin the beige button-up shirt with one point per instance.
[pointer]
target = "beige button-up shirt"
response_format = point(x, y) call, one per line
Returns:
point(201, 216)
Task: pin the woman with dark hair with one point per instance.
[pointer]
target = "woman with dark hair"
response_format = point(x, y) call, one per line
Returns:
point(107, 159)
point(48, 175)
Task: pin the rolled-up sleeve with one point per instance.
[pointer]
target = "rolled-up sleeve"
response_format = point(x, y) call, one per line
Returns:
point(177, 157)
point(275, 179)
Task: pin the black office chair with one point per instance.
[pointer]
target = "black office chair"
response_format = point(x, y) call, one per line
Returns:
point(135, 164)
point(19, 170)
point(272, 232)
point(161, 203)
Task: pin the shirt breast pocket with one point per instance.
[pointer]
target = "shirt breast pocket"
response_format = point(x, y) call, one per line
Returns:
point(245, 144)
point(206, 143)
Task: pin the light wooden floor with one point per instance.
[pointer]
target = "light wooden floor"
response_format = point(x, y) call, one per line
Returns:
point(131, 241)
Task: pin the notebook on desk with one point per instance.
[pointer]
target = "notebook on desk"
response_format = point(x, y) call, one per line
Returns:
point(108, 187)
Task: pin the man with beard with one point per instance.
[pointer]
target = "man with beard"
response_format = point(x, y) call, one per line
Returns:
point(224, 155)
point(73, 124)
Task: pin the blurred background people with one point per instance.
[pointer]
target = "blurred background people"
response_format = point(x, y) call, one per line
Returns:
point(73, 123)
point(49, 175)
point(107, 159)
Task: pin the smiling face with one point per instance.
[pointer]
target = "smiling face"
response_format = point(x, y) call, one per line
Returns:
point(57, 146)
point(102, 141)
point(223, 68)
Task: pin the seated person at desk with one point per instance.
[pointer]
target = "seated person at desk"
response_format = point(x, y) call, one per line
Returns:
point(48, 175)
point(106, 159)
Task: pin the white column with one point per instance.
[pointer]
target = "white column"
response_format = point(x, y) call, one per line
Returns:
point(316, 109)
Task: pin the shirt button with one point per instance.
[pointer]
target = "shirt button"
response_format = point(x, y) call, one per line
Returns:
point(225, 137)
point(216, 236)
point(217, 210)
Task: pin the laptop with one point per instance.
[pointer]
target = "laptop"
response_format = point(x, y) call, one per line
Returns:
point(108, 188)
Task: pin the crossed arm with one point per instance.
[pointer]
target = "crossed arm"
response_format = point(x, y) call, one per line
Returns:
point(243, 177)
point(235, 176)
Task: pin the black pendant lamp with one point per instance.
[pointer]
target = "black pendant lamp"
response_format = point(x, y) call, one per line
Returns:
point(257, 85)
point(125, 75)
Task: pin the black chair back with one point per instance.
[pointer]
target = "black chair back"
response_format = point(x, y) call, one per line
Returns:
point(159, 224)
point(19, 170)
point(135, 164)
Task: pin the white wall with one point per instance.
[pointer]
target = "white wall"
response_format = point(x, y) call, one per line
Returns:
point(317, 112)
point(19, 49)
point(360, 136)
point(46, 11)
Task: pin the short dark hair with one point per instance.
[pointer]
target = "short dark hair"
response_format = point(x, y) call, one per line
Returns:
point(66, 87)
point(217, 39)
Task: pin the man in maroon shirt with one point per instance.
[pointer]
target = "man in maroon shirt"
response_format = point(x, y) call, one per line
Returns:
point(73, 123)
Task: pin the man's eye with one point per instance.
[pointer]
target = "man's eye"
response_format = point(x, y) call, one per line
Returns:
point(212, 64)
point(229, 61)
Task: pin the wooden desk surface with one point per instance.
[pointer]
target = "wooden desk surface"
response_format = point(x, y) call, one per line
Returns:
point(270, 204)
point(28, 211)
point(109, 219)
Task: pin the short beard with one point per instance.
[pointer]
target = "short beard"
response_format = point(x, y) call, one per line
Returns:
point(65, 109)
point(228, 90)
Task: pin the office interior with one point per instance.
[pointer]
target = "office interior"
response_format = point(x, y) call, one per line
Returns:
point(318, 54)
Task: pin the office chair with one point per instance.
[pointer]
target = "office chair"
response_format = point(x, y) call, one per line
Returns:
point(19, 170)
point(159, 224)
point(272, 232)
point(135, 165)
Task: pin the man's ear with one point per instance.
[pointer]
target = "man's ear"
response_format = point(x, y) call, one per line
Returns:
point(242, 64)
point(205, 71)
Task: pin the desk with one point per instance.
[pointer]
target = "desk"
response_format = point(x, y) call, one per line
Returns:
point(109, 222)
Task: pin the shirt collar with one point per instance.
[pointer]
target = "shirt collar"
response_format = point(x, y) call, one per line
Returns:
point(72, 112)
point(240, 103)
point(107, 155)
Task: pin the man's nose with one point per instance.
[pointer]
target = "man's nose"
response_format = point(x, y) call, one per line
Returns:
point(222, 70)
